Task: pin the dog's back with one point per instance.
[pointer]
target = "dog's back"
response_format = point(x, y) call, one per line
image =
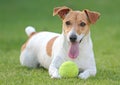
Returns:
point(38, 47)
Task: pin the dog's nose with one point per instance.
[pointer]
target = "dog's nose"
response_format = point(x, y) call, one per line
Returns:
point(73, 38)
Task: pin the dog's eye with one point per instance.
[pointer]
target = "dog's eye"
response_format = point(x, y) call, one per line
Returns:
point(68, 23)
point(82, 24)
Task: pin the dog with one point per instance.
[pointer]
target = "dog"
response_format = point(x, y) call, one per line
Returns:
point(50, 50)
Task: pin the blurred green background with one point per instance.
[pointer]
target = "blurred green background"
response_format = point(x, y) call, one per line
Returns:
point(15, 15)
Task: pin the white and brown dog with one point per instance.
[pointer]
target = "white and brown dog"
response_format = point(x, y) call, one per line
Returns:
point(50, 50)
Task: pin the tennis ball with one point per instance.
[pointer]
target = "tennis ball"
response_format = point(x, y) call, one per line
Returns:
point(68, 69)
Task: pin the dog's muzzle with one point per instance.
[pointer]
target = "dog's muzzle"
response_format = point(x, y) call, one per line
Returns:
point(74, 38)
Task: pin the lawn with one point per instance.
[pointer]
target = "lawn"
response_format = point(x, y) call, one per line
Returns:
point(15, 15)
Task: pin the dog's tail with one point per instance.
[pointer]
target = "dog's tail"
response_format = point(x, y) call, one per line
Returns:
point(30, 30)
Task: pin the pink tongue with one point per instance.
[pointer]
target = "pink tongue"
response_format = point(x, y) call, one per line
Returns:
point(74, 50)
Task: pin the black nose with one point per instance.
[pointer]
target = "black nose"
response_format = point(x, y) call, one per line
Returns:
point(73, 38)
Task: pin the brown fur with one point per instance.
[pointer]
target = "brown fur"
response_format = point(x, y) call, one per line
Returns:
point(92, 16)
point(24, 45)
point(75, 18)
point(50, 45)
point(61, 11)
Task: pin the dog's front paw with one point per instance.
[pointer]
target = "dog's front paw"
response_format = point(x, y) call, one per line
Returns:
point(54, 72)
point(84, 75)
point(55, 75)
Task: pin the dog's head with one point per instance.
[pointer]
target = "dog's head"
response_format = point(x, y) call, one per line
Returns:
point(76, 24)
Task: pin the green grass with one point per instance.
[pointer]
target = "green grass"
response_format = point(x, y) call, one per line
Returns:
point(15, 15)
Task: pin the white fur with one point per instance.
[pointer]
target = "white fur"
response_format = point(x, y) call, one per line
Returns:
point(35, 53)
point(29, 30)
point(79, 37)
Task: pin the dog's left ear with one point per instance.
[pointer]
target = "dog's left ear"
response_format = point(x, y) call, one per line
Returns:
point(92, 16)
point(61, 11)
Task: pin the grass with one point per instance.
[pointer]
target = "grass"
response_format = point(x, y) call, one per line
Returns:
point(15, 15)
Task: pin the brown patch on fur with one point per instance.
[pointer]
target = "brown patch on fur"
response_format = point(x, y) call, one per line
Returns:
point(49, 46)
point(25, 44)
point(92, 16)
point(61, 11)
point(76, 18)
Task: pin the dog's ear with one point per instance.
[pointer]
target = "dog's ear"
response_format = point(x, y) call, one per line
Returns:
point(92, 16)
point(61, 11)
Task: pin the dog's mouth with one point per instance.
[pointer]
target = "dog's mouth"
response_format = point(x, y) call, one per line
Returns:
point(74, 49)
point(80, 40)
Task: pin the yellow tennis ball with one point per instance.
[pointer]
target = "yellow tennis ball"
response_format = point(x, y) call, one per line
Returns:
point(68, 69)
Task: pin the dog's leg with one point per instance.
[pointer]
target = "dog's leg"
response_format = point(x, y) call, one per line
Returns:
point(53, 71)
point(87, 73)
point(28, 59)
point(54, 67)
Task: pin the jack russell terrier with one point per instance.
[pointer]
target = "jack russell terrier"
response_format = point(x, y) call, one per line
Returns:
point(50, 50)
